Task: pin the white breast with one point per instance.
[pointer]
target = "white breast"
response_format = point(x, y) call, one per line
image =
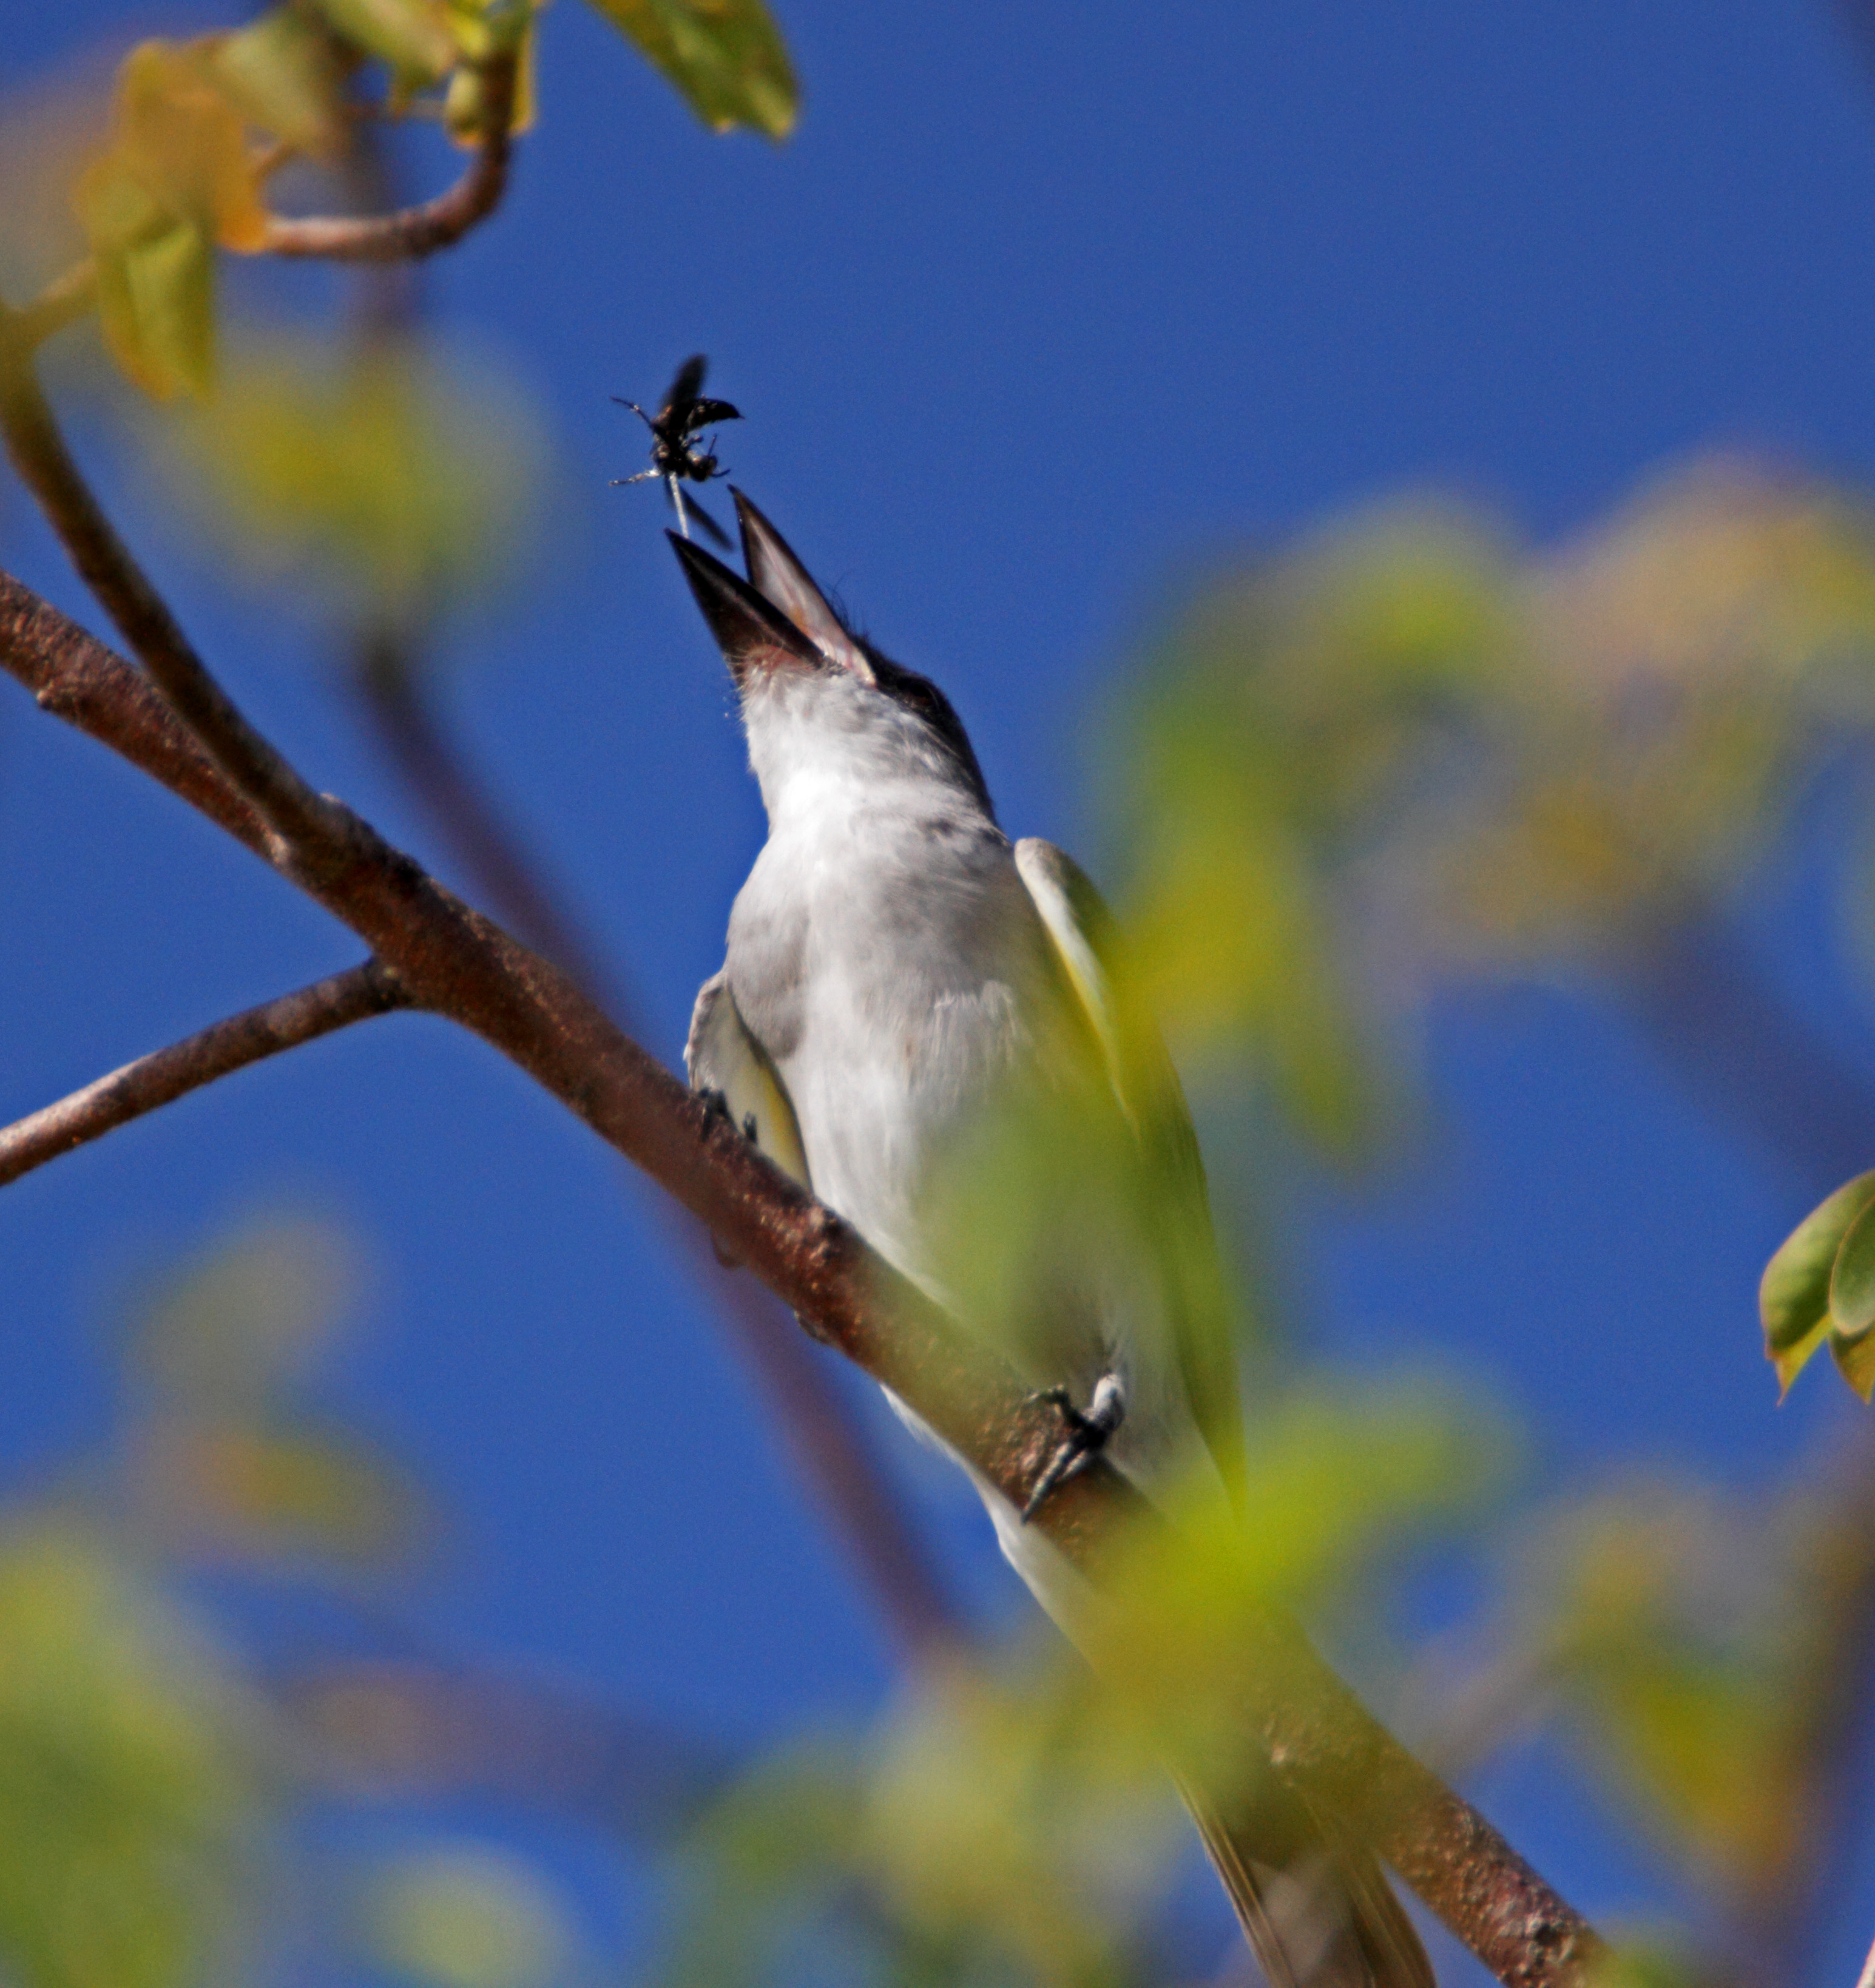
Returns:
point(891, 967)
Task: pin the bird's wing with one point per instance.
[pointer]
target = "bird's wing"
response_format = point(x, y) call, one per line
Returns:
point(722, 1056)
point(1087, 941)
point(1314, 1905)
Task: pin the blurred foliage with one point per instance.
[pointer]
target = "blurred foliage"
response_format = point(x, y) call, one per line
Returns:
point(386, 484)
point(1409, 752)
point(151, 1769)
point(465, 1916)
point(1694, 1644)
point(130, 1789)
point(197, 129)
point(1010, 1820)
point(230, 1457)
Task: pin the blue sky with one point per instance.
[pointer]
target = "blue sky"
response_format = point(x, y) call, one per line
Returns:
point(1040, 307)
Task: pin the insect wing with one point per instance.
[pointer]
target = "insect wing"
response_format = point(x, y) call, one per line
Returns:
point(704, 414)
point(687, 385)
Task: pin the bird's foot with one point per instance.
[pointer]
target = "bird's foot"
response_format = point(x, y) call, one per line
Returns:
point(716, 1106)
point(1086, 1433)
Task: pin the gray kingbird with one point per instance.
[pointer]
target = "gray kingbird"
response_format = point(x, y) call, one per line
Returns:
point(899, 975)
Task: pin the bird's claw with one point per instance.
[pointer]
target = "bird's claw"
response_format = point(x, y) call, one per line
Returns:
point(1086, 1432)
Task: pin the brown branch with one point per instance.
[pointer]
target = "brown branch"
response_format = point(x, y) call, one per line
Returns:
point(155, 1080)
point(459, 964)
point(834, 1454)
point(414, 231)
point(454, 962)
point(384, 678)
point(309, 827)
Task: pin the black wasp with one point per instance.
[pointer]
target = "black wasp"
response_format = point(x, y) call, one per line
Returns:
point(675, 458)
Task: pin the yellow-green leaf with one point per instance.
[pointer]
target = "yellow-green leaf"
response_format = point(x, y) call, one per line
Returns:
point(269, 1492)
point(411, 37)
point(131, 1805)
point(402, 481)
point(465, 116)
point(156, 302)
point(186, 141)
point(114, 207)
point(1794, 1296)
point(469, 1916)
point(1852, 1305)
point(279, 72)
point(483, 28)
point(1854, 1354)
point(1851, 1275)
point(726, 58)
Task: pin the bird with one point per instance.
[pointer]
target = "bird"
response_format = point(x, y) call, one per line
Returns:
point(925, 1024)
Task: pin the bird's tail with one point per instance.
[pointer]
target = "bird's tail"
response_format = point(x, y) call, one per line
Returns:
point(1318, 1913)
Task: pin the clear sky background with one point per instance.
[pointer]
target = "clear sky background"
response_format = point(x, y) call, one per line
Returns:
point(1042, 306)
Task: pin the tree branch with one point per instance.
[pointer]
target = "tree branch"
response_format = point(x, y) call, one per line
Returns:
point(459, 964)
point(1689, 980)
point(155, 1081)
point(383, 676)
point(309, 827)
point(414, 231)
point(63, 301)
point(1320, 1738)
point(834, 1453)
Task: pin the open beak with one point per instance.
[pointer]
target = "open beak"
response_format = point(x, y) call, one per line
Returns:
point(752, 633)
point(781, 579)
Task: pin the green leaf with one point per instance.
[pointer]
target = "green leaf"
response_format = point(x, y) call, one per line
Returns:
point(179, 132)
point(155, 302)
point(726, 58)
point(1852, 1276)
point(1852, 1305)
point(1854, 1355)
point(279, 72)
point(412, 37)
point(1795, 1296)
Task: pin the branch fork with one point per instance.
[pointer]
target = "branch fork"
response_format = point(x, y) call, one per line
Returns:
point(431, 950)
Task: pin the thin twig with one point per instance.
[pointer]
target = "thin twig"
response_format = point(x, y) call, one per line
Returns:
point(1318, 1736)
point(407, 1727)
point(310, 827)
point(63, 301)
point(155, 1080)
point(385, 681)
point(1725, 1031)
point(414, 231)
point(819, 1427)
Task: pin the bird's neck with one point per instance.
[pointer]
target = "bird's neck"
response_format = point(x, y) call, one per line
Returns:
point(828, 770)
